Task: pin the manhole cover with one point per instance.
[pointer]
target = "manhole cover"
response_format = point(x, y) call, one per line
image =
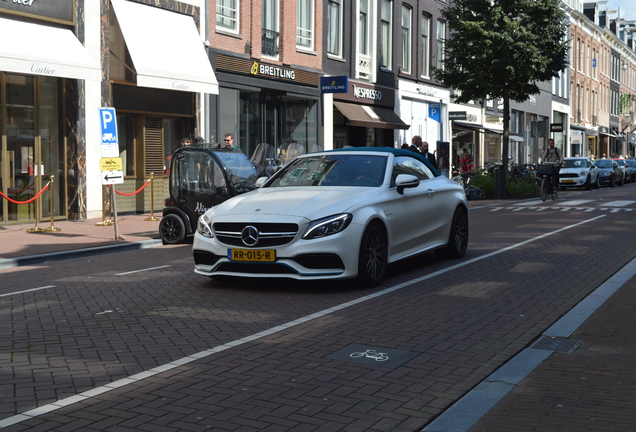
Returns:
point(557, 344)
point(375, 356)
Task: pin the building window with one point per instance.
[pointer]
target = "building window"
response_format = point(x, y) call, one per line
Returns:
point(386, 15)
point(270, 28)
point(363, 28)
point(426, 29)
point(406, 39)
point(334, 33)
point(441, 36)
point(227, 15)
point(305, 25)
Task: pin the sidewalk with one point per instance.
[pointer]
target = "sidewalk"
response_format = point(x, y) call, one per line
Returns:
point(20, 247)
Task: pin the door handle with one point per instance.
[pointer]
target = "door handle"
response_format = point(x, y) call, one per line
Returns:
point(430, 192)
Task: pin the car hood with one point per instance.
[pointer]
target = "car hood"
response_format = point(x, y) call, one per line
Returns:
point(308, 202)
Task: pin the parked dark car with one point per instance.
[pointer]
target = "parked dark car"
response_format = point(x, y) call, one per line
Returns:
point(202, 177)
point(610, 172)
point(631, 163)
point(625, 168)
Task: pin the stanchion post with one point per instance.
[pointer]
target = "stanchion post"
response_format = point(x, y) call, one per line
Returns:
point(152, 199)
point(104, 222)
point(52, 228)
point(36, 215)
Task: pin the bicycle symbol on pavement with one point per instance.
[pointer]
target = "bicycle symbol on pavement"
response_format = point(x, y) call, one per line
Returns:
point(373, 354)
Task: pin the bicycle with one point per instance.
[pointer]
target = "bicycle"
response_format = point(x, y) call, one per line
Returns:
point(547, 181)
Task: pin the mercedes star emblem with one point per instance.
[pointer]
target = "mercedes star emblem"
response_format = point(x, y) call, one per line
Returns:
point(249, 235)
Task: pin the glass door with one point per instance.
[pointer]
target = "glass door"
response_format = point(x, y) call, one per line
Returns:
point(18, 174)
point(32, 149)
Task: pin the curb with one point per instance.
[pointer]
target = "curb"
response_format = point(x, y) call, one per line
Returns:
point(76, 253)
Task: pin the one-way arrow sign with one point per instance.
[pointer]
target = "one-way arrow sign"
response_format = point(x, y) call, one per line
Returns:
point(112, 177)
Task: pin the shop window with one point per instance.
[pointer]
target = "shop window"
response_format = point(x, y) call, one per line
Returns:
point(126, 137)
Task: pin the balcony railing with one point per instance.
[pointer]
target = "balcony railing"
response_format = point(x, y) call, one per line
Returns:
point(270, 43)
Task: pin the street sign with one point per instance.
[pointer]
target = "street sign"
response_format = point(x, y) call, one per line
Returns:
point(434, 111)
point(108, 123)
point(110, 164)
point(334, 84)
point(112, 177)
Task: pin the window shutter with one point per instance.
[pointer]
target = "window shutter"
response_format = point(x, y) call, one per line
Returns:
point(153, 141)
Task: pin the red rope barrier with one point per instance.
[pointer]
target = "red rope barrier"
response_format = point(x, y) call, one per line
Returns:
point(22, 190)
point(134, 193)
point(26, 202)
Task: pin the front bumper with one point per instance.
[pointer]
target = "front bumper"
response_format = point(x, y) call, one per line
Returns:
point(332, 257)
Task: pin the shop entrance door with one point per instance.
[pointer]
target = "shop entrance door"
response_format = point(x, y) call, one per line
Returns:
point(17, 179)
point(30, 121)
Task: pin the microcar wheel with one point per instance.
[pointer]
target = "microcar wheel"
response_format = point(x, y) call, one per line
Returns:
point(372, 259)
point(172, 229)
point(458, 236)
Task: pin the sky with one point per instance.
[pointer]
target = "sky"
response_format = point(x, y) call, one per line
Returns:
point(627, 7)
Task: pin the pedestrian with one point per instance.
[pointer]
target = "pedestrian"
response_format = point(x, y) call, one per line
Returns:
point(185, 141)
point(466, 162)
point(424, 150)
point(229, 140)
point(405, 146)
point(198, 140)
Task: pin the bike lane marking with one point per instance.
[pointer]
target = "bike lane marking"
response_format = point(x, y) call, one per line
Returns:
point(27, 415)
point(26, 291)
point(142, 270)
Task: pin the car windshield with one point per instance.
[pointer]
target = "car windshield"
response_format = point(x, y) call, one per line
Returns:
point(621, 162)
point(575, 163)
point(240, 169)
point(603, 163)
point(631, 163)
point(332, 170)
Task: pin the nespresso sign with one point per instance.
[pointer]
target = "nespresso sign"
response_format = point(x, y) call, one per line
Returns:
point(60, 11)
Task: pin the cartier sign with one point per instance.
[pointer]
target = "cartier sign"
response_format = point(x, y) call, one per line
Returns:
point(60, 11)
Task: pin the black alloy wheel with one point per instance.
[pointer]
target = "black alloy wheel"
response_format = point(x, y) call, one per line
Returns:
point(172, 229)
point(373, 256)
point(457, 237)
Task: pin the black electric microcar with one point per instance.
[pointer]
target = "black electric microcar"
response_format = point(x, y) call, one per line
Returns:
point(202, 176)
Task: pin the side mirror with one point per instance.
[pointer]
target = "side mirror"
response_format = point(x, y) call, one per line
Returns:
point(404, 181)
point(222, 191)
point(261, 181)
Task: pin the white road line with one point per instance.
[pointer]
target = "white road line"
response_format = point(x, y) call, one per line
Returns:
point(26, 291)
point(9, 421)
point(621, 203)
point(143, 270)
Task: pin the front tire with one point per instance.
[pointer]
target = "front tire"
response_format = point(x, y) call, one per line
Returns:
point(373, 255)
point(588, 182)
point(597, 185)
point(544, 189)
point(458, 236)
point(172, 229)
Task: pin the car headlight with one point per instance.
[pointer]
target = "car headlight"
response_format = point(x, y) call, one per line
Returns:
point(203, 227)
point(583, 173)
point(327, 226)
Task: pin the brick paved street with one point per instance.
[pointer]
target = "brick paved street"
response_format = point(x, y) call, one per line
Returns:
point(263, 366)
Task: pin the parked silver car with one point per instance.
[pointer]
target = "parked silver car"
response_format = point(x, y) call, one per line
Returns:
point(579, 172)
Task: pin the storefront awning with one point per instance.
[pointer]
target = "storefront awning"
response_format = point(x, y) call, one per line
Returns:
point(515, 138)
point(466, 125)
point(165, 48)
point(37, 49)
point(370, 116)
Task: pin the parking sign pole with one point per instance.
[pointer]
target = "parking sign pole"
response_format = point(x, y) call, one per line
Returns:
point(113, 201)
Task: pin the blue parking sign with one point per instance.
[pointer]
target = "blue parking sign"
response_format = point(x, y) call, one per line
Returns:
point(108, 123)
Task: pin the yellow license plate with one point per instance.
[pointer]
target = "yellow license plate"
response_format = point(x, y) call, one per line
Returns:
point(567, 181)
point(258, 255)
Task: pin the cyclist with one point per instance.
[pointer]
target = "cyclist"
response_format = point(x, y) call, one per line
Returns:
point(553, 155)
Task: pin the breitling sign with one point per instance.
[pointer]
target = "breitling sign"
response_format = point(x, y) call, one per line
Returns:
point(263, 70)
point(62, 12)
